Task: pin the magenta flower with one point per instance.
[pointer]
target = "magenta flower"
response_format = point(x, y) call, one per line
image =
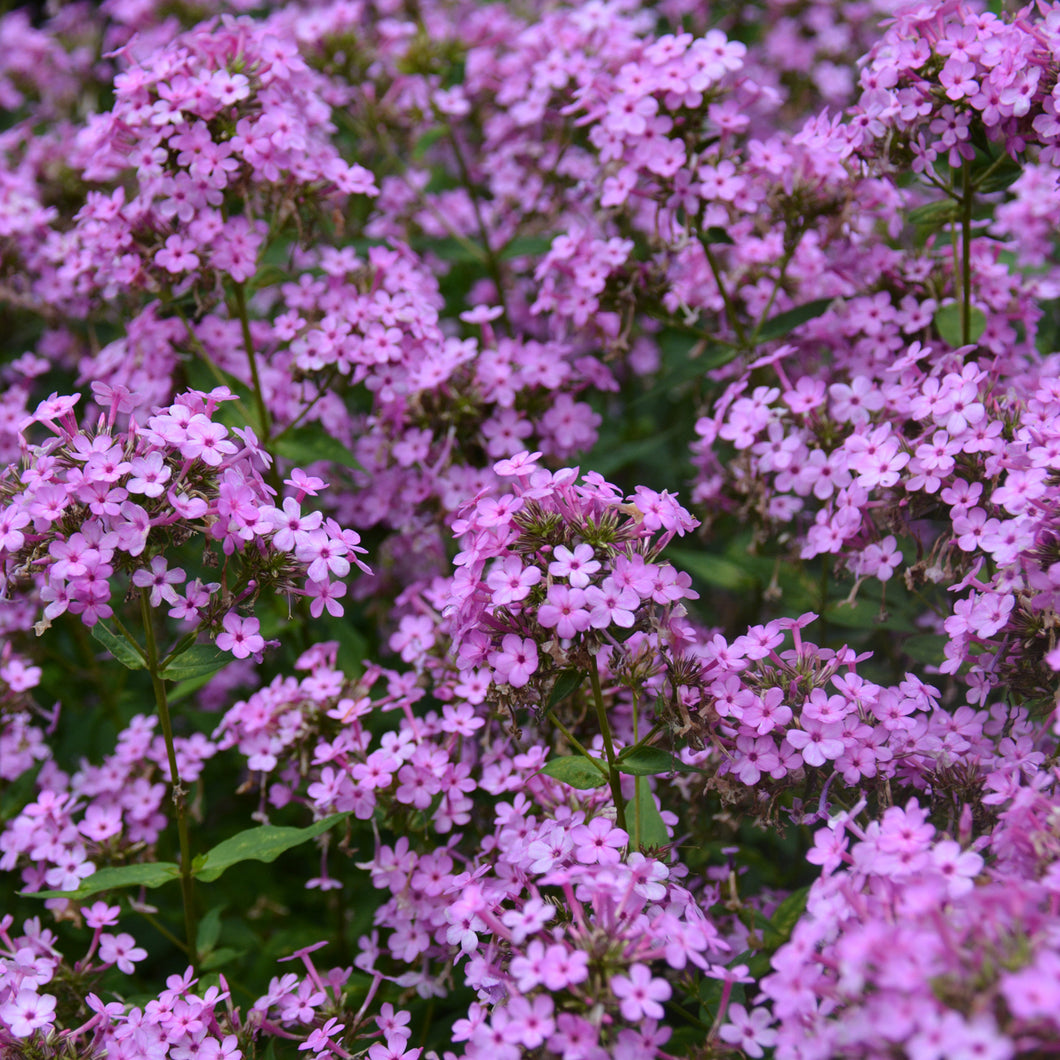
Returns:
point(241, 636)
point(28, 1011)
point(575, 566)
point(516, 660)
point(120, 950)
point(598, 842)
point(640, 994)
point(566, 610)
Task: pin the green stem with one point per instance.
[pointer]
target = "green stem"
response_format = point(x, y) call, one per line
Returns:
point(187, 886)
point(248, 347)
point(573, 741)
point(730, 308)
point(613, 775)
point(133, 642)
point(966, 255)
point(161, 928)
point(492, 261)
point(215, 369)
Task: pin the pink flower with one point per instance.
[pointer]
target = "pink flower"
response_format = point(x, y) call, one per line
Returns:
point(516, 660)
point(598, 842)
point(120, 950)
point(28, 1011)
point(575, 566)
point(640, 994)
point(565, 610)
point(241, 636)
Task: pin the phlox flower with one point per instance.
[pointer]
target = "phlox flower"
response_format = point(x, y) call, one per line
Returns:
point(241, 636)
point(641, 996)
point(516, 660)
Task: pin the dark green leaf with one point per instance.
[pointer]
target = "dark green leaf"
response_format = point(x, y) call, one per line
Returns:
point(926, 648)
point(567, 683)
point(936, 214)
point(715, 570)
point(784, 918)
point(209, 930)
point(264, 843)
point(526, 247)
point(118, 646)
point(778, 326)
point(149, 874)
point(426, 142)
point(645, 823)
point(200, 660)
point(219, 958)
point(184, 689)
point(307, 445)
point(651, 762)
point(1004, 176)
point(950, 326)
point(576, 771)
point(681, 367)
point(715, 234)
point(868, 614)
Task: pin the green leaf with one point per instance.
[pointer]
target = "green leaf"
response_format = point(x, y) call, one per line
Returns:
point(200, 660)
point(219, 958)
point(645, 823)
point(1006, 174)
point(935, 214)
point(778, 326)
point(209, 930)
point(715, 234)
point(525, 247)
point(577, 771)
point(426, 142)
point(651, 762)
point(651, 450)
point(715, 570)
point(865, 614)
point(307, 445)
point(949, 325)
point(148, 874)
point(784, 918)
point(118, 646)
point(567, 683)
point(928, 648)
point(264, 843)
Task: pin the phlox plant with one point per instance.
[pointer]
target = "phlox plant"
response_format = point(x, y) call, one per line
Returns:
point(529, 530)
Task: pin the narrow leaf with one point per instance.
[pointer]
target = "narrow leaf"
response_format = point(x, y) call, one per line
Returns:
point(567, 683)
point(778, 326)
point(949, 325)
point(149, 874)
point(1003, 177)
point(200, 660)
point(264, 843)
point(576, 771)
point(718, 571)
point(307, 445)
point(785, 917)
point(525, 246)
point(118, 646)
point(645, 823)
point(219, 958)
point(715, 234)
point(209, 930)
point(928, 648)
point(936, 214)
point(651, 762)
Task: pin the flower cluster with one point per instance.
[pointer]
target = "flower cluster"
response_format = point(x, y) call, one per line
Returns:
point(547, 790)
point(910, 942)
point(91, 503)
